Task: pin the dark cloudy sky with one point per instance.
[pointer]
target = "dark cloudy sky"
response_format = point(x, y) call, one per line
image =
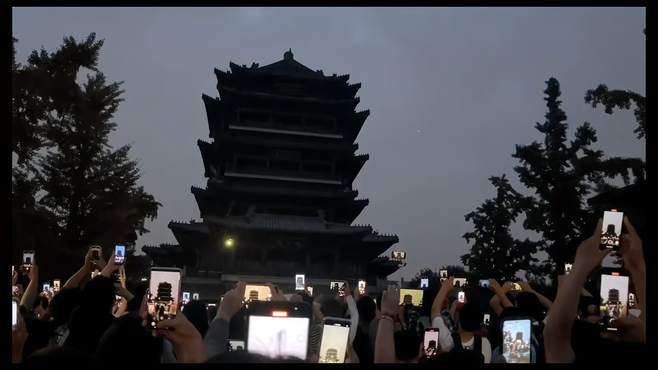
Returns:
point(450, 90)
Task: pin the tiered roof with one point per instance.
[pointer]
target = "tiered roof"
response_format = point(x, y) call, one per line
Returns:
point(322, 121)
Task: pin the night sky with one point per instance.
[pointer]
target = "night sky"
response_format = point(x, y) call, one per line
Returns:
point(450, 91)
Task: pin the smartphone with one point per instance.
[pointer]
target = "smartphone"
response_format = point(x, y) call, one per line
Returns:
point(338, 286)
point(28, 259)
point(195, 296)
point(411, 296)
point(398, 255)
point(516, 287)
point(614, 299)
point(46, 287)
point(484, 283)
point(119, 254)
point(14, 313)
point(163, 294)
point(459, 282)
point(235, 345)
point(611, 229)
point(56, 284)
point(15, 291)
point(486, 319)
point(309, 289)
point(95, 273)
point(431, 344)
point(443, 274)
point(461, 297)
point(631, 300)
point(333, 347)
point(567, 268)
point(278, 329)
point(186, 297)
point(254, 292)
point(299, 281)
point(516, 340)
point(96, 252)
point(362, 287)
point(424, 283)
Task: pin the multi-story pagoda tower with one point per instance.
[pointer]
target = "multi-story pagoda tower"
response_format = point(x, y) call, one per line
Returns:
point(279, 198)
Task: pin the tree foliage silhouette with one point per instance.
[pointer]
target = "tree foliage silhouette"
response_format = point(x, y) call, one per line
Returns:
point(65, 165)
point(562, 175)
point(494, 252)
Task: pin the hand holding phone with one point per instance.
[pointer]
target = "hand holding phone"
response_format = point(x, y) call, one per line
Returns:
point(431, 344)
point(517, 340)
point(300, 281)
point(231, 303)
point(589, 255)
point(333, 346)
point(611, 229)
point(119, 254)
point(163, 295)
point(362, 287)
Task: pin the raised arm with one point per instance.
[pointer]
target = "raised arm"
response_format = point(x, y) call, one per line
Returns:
point(499, 300)
point(441, 297)
point(82, 274)
point(384, 340)
point(354, 315)
point(560, 319)
point(31, 292)
point(216, 339)
point(542, 299)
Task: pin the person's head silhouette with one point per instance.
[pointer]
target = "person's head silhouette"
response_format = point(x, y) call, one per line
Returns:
point(611, 229)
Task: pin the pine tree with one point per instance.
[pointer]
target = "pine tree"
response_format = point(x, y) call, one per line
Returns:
point(562, 175)
point(92, 189)
point(66, 169)
point(494, 252)
point(621, 99)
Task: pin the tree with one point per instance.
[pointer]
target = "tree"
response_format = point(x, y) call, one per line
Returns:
point(620, 99)
point(88, 189)
point(562, 175)
point(494, 252)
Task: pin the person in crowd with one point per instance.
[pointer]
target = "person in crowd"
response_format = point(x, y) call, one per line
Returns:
point(407, 342)
point(96, 302)
point(126, 338)
point(61, 306)
point(197, 314)
point(323, 306)
point(563, 313)
point(363, 344)
point(468, 337)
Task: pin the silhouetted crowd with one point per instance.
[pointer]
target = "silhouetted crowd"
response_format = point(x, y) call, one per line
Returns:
point(100, 320)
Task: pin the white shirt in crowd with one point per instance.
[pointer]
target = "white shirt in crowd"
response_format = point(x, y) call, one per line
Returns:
point(445, 339)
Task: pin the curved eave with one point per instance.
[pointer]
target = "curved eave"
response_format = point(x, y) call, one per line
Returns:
point(382, 267)
point(244, 223)
point(213, 113)
point(207, 154)
point(353, 89)
point(210, 202)
point(218, 187)
point(225, 90)
point(262, 71)
point(357, 164)
point(191, 228)
point(354, 125)
point(338, 147)
point(354, 210)
point(379, 243)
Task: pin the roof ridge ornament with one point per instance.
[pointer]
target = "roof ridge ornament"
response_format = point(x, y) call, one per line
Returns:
point(288, 55)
